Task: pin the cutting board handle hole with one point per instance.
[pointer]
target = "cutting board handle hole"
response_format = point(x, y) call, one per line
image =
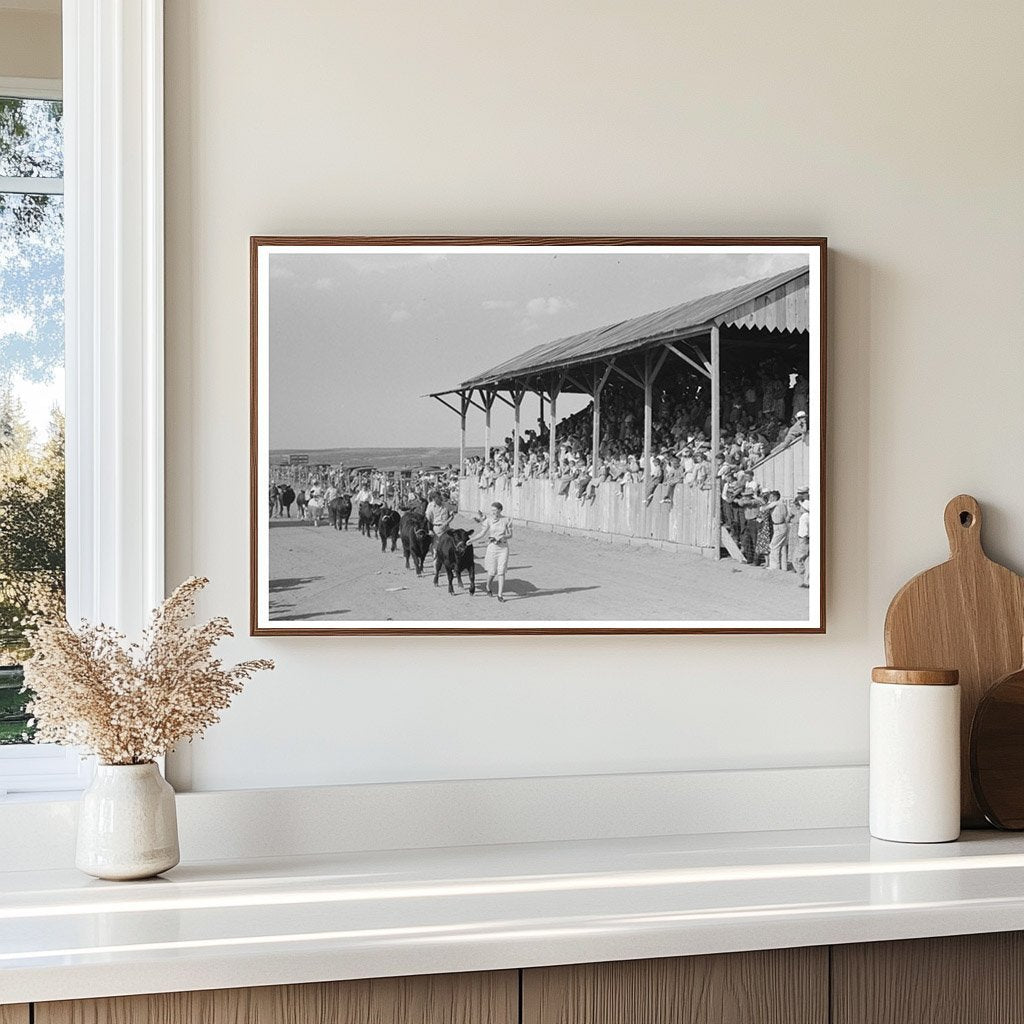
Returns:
point(966, 519)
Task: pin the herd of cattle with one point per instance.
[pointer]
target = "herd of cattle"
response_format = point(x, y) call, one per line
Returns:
point(453, 551)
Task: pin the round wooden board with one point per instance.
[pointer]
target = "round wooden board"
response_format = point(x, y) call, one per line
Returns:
point(997, 752)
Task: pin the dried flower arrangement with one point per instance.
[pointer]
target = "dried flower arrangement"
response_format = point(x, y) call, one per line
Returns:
point(130, 703)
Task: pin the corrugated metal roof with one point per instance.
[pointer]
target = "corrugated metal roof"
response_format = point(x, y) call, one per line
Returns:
point(776, 303)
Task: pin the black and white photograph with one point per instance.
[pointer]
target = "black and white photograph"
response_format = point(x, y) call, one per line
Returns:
point(537, 435)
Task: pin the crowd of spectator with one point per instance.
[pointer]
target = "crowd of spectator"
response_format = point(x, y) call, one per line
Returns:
point(314, 486)
point(763, 411)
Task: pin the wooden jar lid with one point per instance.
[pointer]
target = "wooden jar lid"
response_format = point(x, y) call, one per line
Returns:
point(916, 676)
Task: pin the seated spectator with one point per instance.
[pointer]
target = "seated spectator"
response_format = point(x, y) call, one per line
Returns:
point(603, 475)
point(583, 479)
point(798, 428)
point(673, 477)
point(656, 477)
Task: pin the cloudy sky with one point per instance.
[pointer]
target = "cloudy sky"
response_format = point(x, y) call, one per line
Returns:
point(357, 338)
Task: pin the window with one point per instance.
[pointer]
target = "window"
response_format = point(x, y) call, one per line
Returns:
point(32, 530)
point(112, 210)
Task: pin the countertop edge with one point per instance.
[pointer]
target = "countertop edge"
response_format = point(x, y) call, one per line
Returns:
point(244, 968)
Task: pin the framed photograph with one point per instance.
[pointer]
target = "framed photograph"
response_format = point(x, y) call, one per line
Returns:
point(537, 435)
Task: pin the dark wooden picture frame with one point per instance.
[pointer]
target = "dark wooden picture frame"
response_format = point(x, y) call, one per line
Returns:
point(760, 313)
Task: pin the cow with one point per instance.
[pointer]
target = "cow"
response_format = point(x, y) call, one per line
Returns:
point(369, 513)
point(275, 500)
point(387, 527)
point(455, 553)
point(286, 497)
point(340, 510)
point(416, 539)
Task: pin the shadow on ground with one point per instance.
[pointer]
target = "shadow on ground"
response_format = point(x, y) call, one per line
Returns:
point(291, 583)
point(524, 589)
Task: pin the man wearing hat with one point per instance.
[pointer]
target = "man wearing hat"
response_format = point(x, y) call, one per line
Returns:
point(732, 488)
point(802, 560)
point(778, 551)
point(798, 428)
point(750, 503)
point(440, 513)
point(795, 510)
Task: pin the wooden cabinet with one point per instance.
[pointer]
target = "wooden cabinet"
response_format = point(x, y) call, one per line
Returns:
point(491, 998)
point(962, 979)
point(778, 986)
point(968, 979)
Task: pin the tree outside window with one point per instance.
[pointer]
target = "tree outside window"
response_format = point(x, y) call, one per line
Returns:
point(32, 543)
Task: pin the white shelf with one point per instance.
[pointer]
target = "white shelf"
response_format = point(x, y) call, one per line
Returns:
point(354, 915)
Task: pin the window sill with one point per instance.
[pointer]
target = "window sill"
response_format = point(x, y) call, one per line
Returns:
point(41, 797)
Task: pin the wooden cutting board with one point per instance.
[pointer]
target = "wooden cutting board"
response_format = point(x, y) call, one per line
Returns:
point(967, 614)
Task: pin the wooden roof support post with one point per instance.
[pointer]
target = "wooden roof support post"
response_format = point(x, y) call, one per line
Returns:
point(517, 401)
point(716, 441)
point(703, 370)
point(648, 431)
point(556, 386)
point(652, 367)
point(488, 399)
point(464, 408)
point(599, 382)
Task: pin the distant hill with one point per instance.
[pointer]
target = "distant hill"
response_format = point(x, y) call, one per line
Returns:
point(381, 458)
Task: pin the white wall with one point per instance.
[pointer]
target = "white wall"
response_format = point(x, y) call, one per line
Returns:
point(30, 41)
point(895, 129)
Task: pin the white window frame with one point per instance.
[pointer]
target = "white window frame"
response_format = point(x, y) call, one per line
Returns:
point(114, 324)
point(31, 89)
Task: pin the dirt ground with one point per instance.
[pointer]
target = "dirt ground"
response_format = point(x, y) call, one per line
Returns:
point(317, 573)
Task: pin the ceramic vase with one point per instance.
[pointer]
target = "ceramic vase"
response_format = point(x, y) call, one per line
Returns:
point(127, 825)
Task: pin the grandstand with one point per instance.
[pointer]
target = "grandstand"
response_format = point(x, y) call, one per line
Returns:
point(692, 359)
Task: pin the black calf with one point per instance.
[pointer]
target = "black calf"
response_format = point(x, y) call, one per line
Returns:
point(416, 539)
point(455, 554)
point(387, 528)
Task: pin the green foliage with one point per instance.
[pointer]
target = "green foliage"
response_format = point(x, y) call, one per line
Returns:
point(32, 549)
point(31, 348)
point(14, 719)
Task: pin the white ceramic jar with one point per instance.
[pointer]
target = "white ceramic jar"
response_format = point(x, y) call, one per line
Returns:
point(127, 823)
point(915, 755)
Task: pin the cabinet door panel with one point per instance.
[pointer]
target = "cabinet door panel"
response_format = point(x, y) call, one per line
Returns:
point(484, 998)
point(960, 979)
point(779, 986)
point(14, 1014)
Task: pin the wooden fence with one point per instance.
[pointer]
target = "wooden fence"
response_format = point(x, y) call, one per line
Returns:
point(786, 471)
point(617, 514)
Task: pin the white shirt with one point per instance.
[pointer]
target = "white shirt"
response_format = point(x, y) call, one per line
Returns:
point(499, 530)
